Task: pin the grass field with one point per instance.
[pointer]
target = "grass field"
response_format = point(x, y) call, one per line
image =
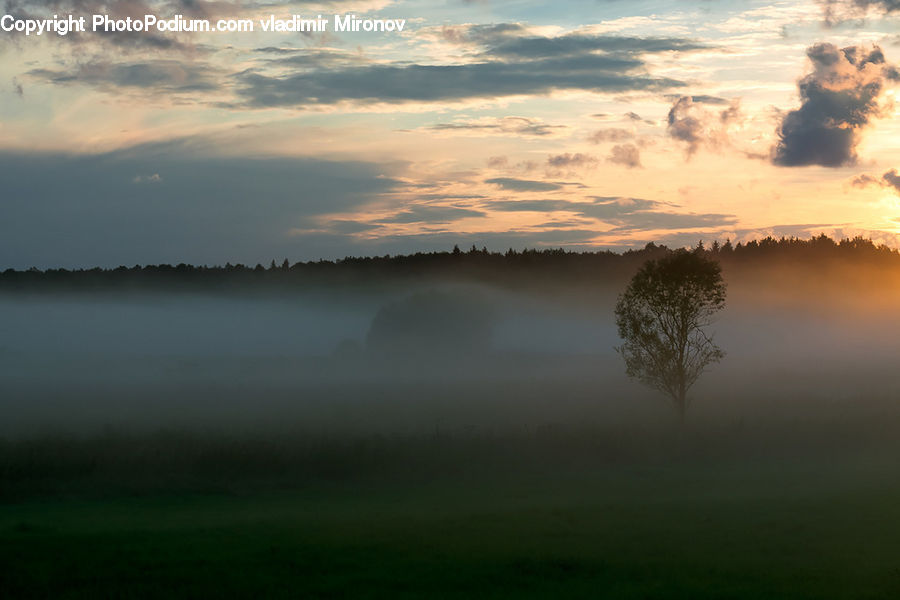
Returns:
point(551, 514)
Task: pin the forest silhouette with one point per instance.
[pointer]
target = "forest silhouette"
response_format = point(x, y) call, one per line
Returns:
point(478, 265)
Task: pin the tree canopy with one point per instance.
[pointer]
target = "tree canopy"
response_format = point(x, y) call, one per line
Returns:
point(662, 316)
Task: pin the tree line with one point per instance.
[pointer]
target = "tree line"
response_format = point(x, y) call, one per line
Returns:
point(512, 266)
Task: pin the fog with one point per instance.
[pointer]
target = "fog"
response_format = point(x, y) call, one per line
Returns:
point(422, 357)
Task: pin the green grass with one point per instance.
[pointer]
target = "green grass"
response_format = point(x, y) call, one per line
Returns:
point(498, 524)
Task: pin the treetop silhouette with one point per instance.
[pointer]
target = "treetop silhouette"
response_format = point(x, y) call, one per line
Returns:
point(662, 316)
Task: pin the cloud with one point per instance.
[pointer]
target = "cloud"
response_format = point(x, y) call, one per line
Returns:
point(701, 99)
point(312, 58)
point(838, 100)
point(569, 164)
point(517, 41)
point(649, 221)
point(537, 205)
point(522, 126)
point(570, 161)
point(574, 44)
point(480, 34)
point(85, 210)
point(684, 126)
point(688, 122)
point(838, 11)
point(610, 135)
point(120, 9)
point(625, 214)
point(599, 207)
point(498, 162)
point(890, 179)
point(432, 214)
point(397, 83)
point(507, 61)
point(865, 180)
point(343, 226)
point(116, 9)
point(523, 185)
point(503, 163)
point(159, 76)
point(625, 154)
point(149, 41)
point(732, 114)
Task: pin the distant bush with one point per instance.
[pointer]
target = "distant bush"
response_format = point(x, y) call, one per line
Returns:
point(347, 349)
point(432, 323)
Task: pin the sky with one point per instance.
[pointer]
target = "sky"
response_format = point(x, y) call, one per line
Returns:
point(581, 124)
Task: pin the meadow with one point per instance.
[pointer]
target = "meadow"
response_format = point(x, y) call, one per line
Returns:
point(640, 513)
point(284, 443)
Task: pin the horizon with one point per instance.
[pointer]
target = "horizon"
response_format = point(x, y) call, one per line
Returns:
point(718, 247)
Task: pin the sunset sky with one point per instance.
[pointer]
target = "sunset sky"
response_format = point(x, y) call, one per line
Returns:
point(576, 124)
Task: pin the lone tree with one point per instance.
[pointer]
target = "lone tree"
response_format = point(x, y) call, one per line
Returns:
point(661, 317)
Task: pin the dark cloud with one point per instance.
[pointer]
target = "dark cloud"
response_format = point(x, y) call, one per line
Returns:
point(647, 221)
point(890, 179)
point(498, 162)
point(119, 9)
point(513, 41)
point(688, 122)
point(838, 100)
point(600, 207)
point(571, 161)
point(161, 76)
point(116, 9)
point(523, 185)
point(837, 11)
point(629, 205)
point(684, 126)
point(534, 205)
point(396, 83)
point(277, 50)
point(732, 114)
point(532, 47)
point(349, 227)
point(627, 155)
point(701, 99)
point(481, 34)
point(437, 196)
point(432, 214)
point(506, 126)
point(510, 62)
point(169, 203)
point(865, 180)
point(636, 118)
point(624, 214)
point(315, 58)
point(610, 135)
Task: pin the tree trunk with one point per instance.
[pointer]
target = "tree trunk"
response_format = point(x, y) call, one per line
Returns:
point(681, 405)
